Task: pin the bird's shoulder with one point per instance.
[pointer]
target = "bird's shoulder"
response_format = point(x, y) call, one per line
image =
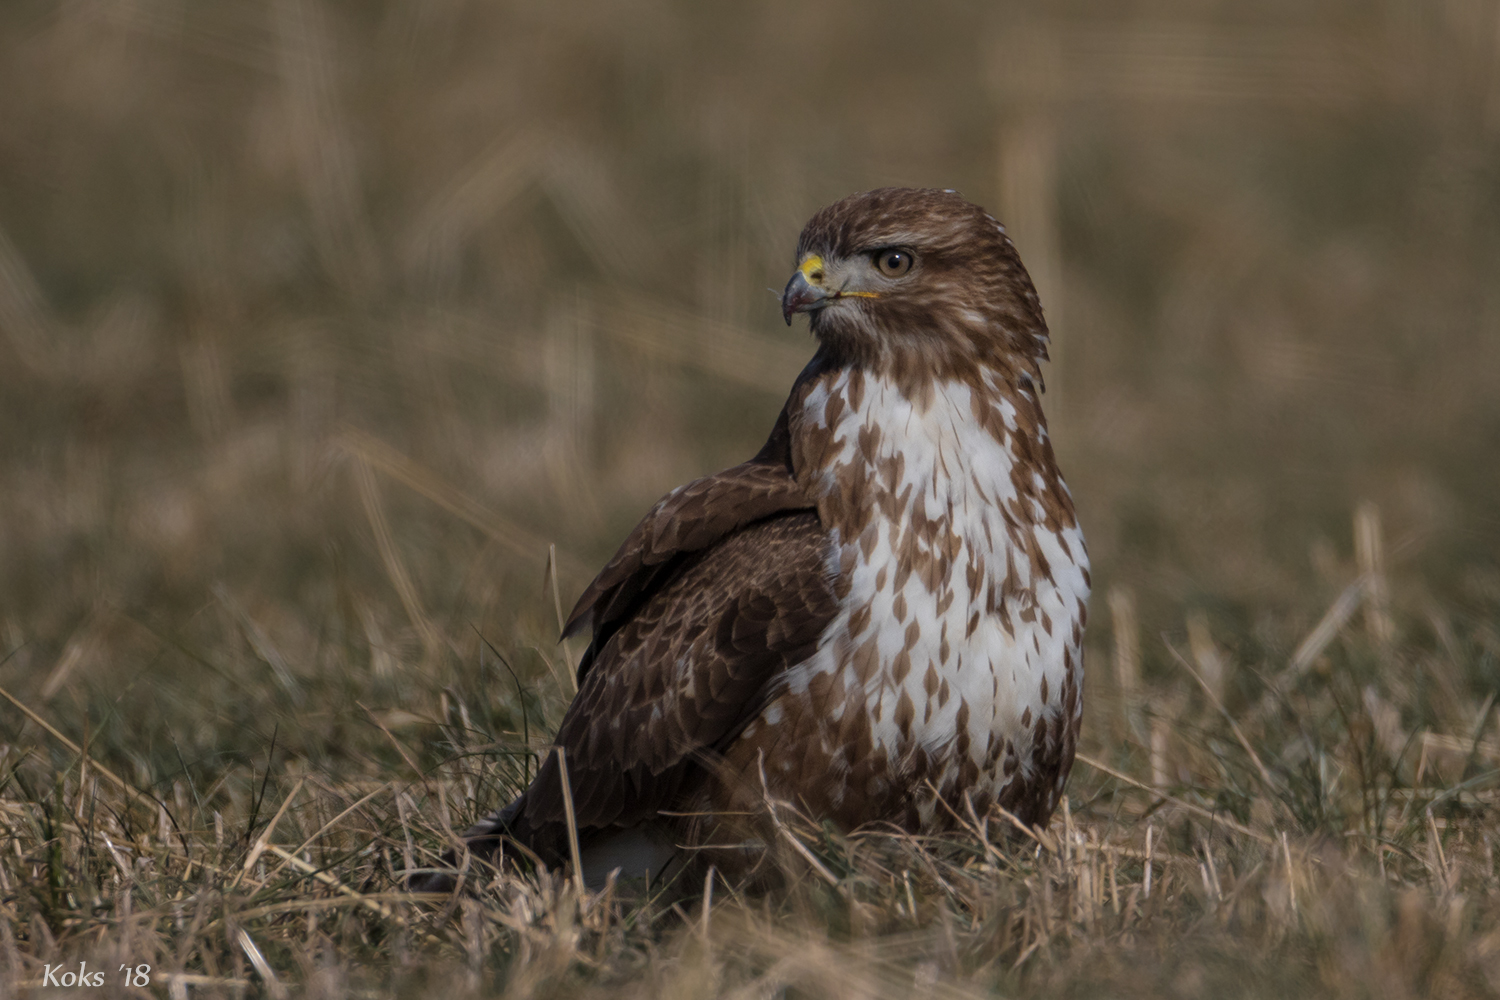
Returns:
point(690, 519)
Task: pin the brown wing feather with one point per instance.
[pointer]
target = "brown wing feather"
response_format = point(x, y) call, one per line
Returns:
point(720, 588)
point(689, 519)
point(675, 683)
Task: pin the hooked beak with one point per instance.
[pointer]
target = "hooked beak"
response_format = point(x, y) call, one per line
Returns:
point(808, 291)
point(800, 296)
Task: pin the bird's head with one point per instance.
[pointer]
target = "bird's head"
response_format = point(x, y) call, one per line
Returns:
point(916, 279)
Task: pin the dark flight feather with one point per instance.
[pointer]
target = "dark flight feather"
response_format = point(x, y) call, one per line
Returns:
point(722, 585)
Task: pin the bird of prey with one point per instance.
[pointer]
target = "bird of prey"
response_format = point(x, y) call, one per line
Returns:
point(884, 608)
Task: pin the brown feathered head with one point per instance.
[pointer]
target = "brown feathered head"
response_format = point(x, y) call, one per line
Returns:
point(917, 280)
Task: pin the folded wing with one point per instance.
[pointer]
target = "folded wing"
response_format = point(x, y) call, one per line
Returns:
point(721, 588)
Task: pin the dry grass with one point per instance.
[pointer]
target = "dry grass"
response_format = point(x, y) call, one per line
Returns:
point(1307, 843)
point(321, 321)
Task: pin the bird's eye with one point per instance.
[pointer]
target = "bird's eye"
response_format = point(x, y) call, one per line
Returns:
point(893, 263)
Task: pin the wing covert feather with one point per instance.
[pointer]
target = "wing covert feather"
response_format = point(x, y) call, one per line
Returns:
point(688, 519)
point(673, 683)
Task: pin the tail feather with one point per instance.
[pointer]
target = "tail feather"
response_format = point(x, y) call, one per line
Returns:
point(646, 851)
point(483, 840)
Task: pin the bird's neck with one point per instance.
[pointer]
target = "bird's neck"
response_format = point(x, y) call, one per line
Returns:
point(945, 452)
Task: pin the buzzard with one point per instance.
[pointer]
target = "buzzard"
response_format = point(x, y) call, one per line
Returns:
point(882, 609)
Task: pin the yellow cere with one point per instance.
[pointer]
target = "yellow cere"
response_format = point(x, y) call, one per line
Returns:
point(812, 270)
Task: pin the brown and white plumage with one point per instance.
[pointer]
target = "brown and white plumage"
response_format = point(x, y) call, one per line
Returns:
point(885, 606)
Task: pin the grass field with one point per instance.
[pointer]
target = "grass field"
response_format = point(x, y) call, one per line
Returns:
point(323, 323)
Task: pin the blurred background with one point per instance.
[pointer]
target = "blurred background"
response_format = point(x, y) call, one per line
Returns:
point(320, 321)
